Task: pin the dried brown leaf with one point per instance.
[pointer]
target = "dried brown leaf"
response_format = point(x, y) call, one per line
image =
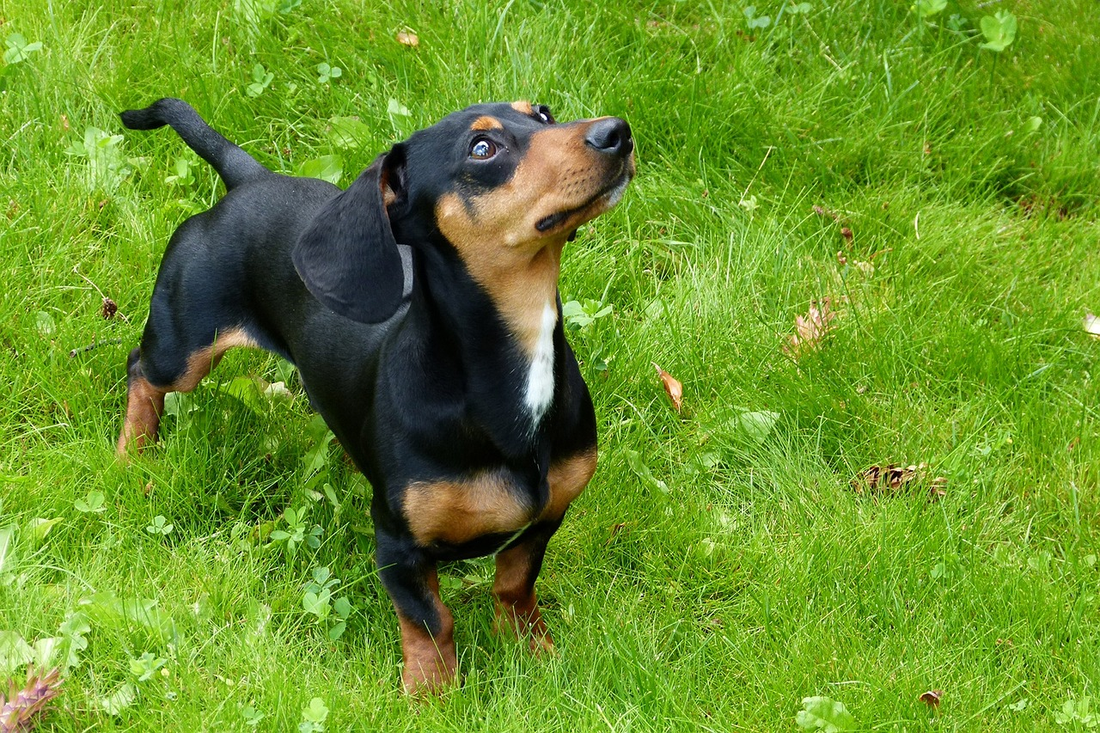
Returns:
point(811, 329)
point(931, 698)
point(846, 232)
point(673, 388)
point(893, 478)
point(408, 38)
point(110, 308)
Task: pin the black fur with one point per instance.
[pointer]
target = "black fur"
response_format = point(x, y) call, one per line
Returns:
point(402, 352)
point(347, 257)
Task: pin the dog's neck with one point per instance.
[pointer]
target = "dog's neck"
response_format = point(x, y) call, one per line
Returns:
point(503, 326)
point(521, 288)
point(524, 292)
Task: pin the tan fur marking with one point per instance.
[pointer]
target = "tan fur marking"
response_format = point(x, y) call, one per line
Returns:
point(520, 284)
point(430, 661)
point(145, 401)
point(567, 480)
point(496, 233)
point(388, 195)
point(523, 107)
point(203, 361)
point(486, 122)
point(459, 511)
point(517, 609)
point(144, 406)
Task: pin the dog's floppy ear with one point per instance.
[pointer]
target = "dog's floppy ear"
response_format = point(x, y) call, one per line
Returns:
point(347, 256)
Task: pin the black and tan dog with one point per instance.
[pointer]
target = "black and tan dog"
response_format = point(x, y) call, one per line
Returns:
point(421, 309)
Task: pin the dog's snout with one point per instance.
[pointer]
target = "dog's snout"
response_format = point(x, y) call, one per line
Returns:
point(610, 135)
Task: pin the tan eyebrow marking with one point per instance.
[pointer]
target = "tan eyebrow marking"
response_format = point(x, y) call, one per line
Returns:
point(522, 106)
point(486, 123)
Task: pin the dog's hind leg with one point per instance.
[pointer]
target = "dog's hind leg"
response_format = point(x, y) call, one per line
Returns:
point(195, 316)
point(155, 370)
point(144, 405)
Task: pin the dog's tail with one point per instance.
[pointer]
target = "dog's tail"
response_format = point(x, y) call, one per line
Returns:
point(233, 164)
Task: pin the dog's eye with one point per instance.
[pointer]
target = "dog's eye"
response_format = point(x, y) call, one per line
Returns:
point(483, 149)
point(543, 113)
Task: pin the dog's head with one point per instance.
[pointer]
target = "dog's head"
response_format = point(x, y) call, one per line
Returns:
point(504, 185)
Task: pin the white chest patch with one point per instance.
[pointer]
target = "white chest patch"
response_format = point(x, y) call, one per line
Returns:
point(540, 378)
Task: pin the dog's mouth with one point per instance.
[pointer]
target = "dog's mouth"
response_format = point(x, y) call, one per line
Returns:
point(604, 200)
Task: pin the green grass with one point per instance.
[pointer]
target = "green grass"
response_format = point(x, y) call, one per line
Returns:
point(707, 579)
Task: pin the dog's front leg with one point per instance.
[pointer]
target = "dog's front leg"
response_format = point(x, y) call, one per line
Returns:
point(427, 627)
point(518, 567)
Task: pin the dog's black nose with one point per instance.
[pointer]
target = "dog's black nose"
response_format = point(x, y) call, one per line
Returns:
point(610, 135)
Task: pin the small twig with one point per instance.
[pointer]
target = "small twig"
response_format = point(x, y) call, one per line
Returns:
point(94, 344)
point(76, 271)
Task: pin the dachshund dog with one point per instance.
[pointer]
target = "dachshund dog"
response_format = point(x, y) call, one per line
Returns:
point(421, 309)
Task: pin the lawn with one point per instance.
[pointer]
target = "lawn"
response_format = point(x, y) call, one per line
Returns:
point(933, 201)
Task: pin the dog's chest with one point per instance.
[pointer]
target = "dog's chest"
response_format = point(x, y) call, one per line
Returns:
point(455, 512)
point(540, 375)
